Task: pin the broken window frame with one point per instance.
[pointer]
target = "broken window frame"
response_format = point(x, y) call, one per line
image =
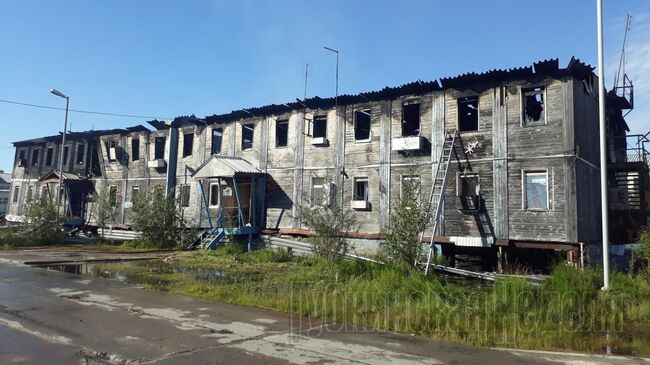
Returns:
point(468, 100)
point(358, 182)
point(111, 146)
point(408, 105)
point(279, 130)
point(35, 157)
point(81, 152)
point(49, 156)
point(247, 143)
point(135, 149)
point(184, 195)
point(523, 96)
point(524, 189)
point(213, 195)
point(30, 194)
point(461, 186)
point(317, 184)
point(321, 121)
point(219, 138)
point(188, 144)
point(66, 154)
point(367, 112)
point(159, 147)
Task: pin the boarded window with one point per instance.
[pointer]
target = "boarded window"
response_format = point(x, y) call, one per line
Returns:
point(533, 106)
point(468, 114)
point(16, 194)
point(188, 144)
point(410, 119)
point(48, 156)
point(185, 196)
point(135, 149)
point(217, 138)
point(362, 125)
point(317, 191)
point(281, 133)
point(81, 149)
point(536, 190)
point(159, 148)
point(320, 127)
point(214, 194)
point(112, 195)
point(135, 192)
point(248, 131)
point(360, 188)
point(35, 158)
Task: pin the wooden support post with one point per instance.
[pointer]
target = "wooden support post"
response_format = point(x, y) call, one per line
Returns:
point(582, 256)
point(500, 260)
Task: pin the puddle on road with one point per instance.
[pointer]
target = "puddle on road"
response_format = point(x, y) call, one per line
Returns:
point(95, 269)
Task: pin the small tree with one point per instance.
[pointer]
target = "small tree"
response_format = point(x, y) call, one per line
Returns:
point(104, 207)
point(42, 226)
point(331, 223)
point(407, 220)
point(158, 218)
point(642, 253)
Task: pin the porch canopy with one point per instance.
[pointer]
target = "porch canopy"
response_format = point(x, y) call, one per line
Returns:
point(225, 167)
point(53, 177)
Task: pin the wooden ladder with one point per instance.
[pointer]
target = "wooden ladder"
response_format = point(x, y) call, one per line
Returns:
point(437, 196)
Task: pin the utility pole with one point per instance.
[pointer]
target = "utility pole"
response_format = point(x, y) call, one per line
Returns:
point(603, 146)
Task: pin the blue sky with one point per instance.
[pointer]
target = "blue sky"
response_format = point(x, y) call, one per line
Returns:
point(170, 58)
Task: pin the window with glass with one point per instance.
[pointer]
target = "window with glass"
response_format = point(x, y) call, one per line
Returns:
point(536, 190)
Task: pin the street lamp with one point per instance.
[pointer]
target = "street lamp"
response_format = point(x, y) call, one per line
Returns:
point(65, 129)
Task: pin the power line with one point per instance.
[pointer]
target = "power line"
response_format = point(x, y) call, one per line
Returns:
point(81, 111)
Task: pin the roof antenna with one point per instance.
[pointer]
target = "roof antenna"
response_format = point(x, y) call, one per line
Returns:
point(306, 74)
point(622, 61)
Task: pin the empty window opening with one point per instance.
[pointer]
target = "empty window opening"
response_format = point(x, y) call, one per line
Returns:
point(534, 111)
point(317, 191)
point(281, 133)
point(410, 119)
point(217, 138)
point(360, 189)
point(159, 148)
point(188, 144)
point(468, 185)
point(35, 158)
point(185, 196)
point(535, 190)
point(112, 195)
point(214, 194)
point(21, 154)
point(135, 149)
point(468, 114)
point(48, 156)
point(65, 155)
point(16, 194)
point(111, 150)
point(320, 127)
point(135, 193)
point(362, 125)
point(81, 149)
point(248, 130)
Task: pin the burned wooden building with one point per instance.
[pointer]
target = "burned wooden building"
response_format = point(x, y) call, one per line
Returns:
point(523, 170)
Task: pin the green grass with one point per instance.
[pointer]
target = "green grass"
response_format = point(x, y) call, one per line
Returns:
point(567, 313)
point(12, 241)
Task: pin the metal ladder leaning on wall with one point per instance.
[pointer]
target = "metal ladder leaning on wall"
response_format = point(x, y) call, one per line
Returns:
point(437, 195)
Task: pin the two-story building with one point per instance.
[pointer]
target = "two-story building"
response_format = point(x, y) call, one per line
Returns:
point(524, 170)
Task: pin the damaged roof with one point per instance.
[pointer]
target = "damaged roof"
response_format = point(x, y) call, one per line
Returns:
point(82, 135)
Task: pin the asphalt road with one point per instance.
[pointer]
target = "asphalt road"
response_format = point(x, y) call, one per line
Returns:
point(50, 317)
